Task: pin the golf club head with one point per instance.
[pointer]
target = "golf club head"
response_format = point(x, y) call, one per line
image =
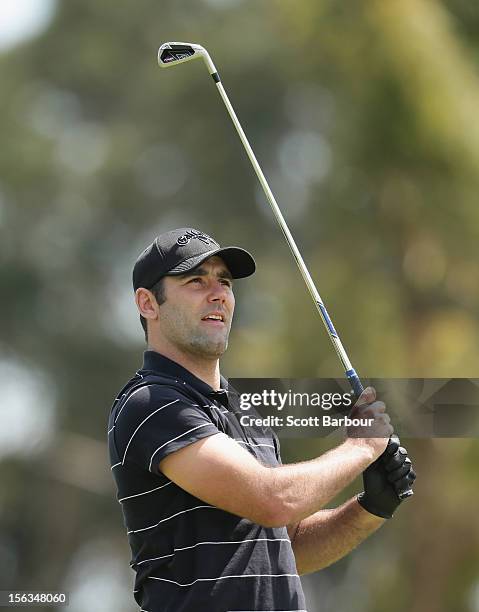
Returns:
point(173, 53)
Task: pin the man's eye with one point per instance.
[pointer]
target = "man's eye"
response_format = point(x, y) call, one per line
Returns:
point(195, 280)
point(226, 282)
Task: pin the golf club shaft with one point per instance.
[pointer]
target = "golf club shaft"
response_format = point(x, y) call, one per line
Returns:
point(175, 52)
point(349, 370)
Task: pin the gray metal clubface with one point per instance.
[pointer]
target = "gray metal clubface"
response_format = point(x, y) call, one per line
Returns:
point(173, 53)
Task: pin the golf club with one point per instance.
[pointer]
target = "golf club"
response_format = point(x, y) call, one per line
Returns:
point(173, 53)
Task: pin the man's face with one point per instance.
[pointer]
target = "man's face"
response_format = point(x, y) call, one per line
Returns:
point(196, 316)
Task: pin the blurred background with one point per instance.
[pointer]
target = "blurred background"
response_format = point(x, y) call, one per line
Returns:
point(364, 116)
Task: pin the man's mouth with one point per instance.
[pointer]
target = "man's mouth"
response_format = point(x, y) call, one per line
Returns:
point(214, 318)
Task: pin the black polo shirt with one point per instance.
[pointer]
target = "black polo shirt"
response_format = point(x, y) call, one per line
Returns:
point(188, 555)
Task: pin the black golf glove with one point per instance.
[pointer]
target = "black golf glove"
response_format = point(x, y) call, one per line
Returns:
point(384, 479)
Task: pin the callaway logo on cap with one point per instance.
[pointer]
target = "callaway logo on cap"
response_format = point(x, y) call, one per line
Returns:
point(192, 235)
point(183, 249)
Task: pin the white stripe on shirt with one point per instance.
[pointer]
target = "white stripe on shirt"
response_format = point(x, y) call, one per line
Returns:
point(145, 492)
point(144, 421)
point(224, 577)
point(176, 438)
point(250, 444)
point(132, 394)
point(205, 543)
point(170, 517)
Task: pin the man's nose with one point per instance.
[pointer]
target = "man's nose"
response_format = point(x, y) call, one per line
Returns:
point(218, 291)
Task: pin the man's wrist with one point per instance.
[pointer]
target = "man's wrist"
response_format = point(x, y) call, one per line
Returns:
point(360, 448)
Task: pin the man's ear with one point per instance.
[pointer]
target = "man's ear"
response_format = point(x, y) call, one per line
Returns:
point(146, 303)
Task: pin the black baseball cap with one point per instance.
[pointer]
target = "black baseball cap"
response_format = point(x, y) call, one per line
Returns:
point(181, 250)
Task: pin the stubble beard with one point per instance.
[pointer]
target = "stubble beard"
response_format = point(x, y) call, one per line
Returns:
point(205, 346)
point(181, 333)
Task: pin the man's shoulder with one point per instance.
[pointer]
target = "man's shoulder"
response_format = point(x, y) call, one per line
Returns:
point(147, 387)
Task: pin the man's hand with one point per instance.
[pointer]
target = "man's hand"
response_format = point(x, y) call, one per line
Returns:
point(385, 479)
point(375, 436)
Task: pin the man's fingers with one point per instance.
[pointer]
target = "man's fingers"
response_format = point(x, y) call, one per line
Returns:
point(376, 408)
point(400, 472)
point(366, 397)
point(370, 410)
point(405, 483)
point(401, 486)
point(395, 461)
point(393, 445)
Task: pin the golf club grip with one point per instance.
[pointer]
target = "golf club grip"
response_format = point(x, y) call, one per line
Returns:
point(358, 389)
point(355, 382)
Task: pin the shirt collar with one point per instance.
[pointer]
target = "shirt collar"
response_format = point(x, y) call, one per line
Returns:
point(156, 362)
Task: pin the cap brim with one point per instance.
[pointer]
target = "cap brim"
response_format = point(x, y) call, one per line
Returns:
point(239, 262)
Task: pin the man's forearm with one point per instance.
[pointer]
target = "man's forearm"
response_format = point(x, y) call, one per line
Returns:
point(299, 490)
point(328, 535)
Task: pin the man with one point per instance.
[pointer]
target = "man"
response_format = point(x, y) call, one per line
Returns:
point(215, 522)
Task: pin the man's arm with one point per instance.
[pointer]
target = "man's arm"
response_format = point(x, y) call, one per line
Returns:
point(220, 472)
point(328, 535)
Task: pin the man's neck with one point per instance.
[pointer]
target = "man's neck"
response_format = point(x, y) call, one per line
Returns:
point(205, 369)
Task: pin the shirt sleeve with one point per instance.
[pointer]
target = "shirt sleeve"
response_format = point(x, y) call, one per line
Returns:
point(155, 421)
point(277, 447)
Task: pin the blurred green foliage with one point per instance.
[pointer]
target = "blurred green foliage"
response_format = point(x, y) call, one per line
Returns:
point(364, 118)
